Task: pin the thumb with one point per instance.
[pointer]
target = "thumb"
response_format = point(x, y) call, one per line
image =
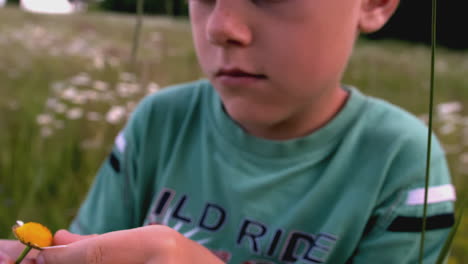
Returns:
point(109, 248)
point(63, 237)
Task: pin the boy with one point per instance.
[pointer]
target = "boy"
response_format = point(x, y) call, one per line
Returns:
point(270, 161)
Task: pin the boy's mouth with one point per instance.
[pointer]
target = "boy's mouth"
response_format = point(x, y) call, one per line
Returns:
point(235, 77)
point(238, 73)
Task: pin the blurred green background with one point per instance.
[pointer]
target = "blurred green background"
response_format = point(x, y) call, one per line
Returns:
point(66, 89)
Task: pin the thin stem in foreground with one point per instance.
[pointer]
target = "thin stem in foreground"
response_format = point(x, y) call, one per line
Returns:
point(23, 254)
point(136, 33)
point(429, 133)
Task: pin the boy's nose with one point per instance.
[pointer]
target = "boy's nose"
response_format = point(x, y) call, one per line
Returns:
point(227, 28)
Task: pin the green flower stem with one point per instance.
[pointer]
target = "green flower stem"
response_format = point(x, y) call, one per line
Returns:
point(137, 31)
point(429, 132)
point(23, 254)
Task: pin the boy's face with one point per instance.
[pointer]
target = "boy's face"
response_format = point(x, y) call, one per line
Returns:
point(275, 60)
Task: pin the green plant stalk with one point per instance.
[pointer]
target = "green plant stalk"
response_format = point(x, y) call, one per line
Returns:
point(23, 254)
point(170, 7)
point(429, 130)
point(448, 243)
point(137, 31)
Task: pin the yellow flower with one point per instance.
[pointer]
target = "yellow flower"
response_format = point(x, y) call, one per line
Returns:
point(33, 234)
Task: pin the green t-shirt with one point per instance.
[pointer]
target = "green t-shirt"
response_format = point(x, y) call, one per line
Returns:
point(350, 192)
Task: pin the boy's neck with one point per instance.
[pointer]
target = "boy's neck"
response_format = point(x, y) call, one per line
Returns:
point(322, 112)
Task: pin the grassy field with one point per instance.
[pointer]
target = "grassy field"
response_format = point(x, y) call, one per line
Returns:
point(66, 90)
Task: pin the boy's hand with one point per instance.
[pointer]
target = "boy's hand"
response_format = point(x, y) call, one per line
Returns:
point(6, 259)
point(63, 237)
point(11, 249)
point(151, 244)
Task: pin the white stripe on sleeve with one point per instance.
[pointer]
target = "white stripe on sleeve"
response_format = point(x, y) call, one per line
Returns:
point(120, 142)
point(436, 194)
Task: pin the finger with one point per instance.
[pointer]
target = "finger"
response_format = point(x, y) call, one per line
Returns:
point(13, 248)
point(28, 261)
point(104, 249)
point(63, 237)
point(5, 259)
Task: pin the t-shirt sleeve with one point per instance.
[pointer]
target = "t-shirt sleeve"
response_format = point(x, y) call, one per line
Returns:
point(394, 232)
point(120, 195)
point(110, 203)
point(107, 205)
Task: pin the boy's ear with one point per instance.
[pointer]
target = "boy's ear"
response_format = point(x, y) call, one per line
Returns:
point(375, 13)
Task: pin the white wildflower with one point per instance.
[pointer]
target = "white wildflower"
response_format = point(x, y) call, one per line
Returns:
point(464, 121)
point(91, 95)
point(13, 73)
point(134, 88)
point(131, 105)
point(116, 114)
point(113, 61)
point(465, 136)
point(52, 102)
point(464, 158)
point(449, 108)
point(90, 144)
point(99, 62)
point(100, 86)
point(69, 93)
point(127, 77)
point(127, 89)
point(13, 105)
point(447, 129)
point(54, 51)
point(46, 132)
point(79, 99)
point(94, 116)
point(152, 88)
point(81, 79)
point(441, 66)
point(77, 47)
point(57, 86)
point(106, 97)
point(122, 89)
point(452, 148)
point(156, 37)
point(60, 108)
point(74, 113)
point(44, 119)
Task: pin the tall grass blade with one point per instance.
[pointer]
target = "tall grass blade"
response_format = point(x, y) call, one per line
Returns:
point(429, 130)
point(137, 31)
point(448, 243)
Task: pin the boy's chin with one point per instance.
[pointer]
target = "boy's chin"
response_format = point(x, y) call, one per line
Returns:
point(249, 119)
